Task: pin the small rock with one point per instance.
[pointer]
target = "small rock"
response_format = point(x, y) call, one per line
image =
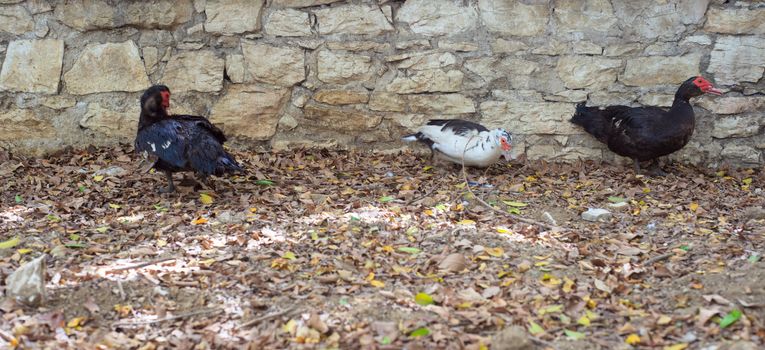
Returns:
point(549, 218)
point(619, 206)
point(112, 171)
point(229, 217)
point(59, 251)
point(511, 338)
point(454, 262)
point(596, 214)
point(27, 284)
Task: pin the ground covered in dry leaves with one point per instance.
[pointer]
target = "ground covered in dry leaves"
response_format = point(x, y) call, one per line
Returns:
point(319, 249)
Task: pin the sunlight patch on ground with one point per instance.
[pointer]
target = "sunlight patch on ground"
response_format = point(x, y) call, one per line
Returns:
point(14, 214)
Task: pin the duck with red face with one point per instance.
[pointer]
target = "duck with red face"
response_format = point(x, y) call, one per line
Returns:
point(645, 133)
point(180, 142)
point(453, 139)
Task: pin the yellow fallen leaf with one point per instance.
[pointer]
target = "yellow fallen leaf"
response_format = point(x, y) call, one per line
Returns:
point(495, 252)
point(290, 327)
point(466, 222)
point(161, 243)
point(694, 206)
point(632, 339)
point(98, 178)
point(663, 320)
point(678, 346)
point(253, 209)
point(289, 255)
point(646, 190)
point(23, 251)
point(568, 285)
point(114, 206)
point(76, 322)
point(370, 276)
point(10, 243)
point(207, 262)
point(503, 230)
point(428, 212)
point(199, 221)
point(123, 310)
point(584, 321)
point(205, 198)
point(376, 283)
point(387, 249)
point(550, 280)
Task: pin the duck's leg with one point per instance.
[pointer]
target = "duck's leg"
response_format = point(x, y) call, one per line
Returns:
point(656, 169)
point(170, 186)
point(204, 182)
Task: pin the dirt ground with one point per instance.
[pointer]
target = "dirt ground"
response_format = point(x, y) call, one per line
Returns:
point(320, 249)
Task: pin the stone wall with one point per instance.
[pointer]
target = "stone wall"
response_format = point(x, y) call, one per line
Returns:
point(360, 73)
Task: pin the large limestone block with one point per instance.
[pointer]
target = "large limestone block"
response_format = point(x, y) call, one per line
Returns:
point(436, 18)
point(32, 66)
point(732, 104)
point(737, 59)
point(736, 20)
point(725, 127)
point(516, 70)
point(431, 80)
point(15, 20)
point(423, 60)
point(194, 71)
point(107, 67)
point(388, 102)
point(276, 65)
point(514, 17)
point(341, 97)
point(250, 111)
point(585, 15)
point(22, 124)
point(743, 153)
point(342, 68)
point(233, 16)
point(587, 72)
point(649, 19)
point(301, 3)
point(157, 13)
point(352, 19)
point(657, 70)
point(288, 22)
point(87, 14)
point(548, 118)
point(441, 104)
point(113, 122)
point(340, 119)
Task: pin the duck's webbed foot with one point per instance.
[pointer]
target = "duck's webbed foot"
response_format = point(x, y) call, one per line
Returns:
point(170, 185)
point(203, 182)
point(656, 170)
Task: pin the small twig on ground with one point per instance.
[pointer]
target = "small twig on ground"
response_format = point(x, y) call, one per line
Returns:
point(423, 196)
point(6, 337)
point(479, 199)
point(255, 321)
point(658, 258)
point(169, 318)
point(122, 290)
point(144, 264)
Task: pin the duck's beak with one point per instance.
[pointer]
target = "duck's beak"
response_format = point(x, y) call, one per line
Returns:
point(713, 91)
